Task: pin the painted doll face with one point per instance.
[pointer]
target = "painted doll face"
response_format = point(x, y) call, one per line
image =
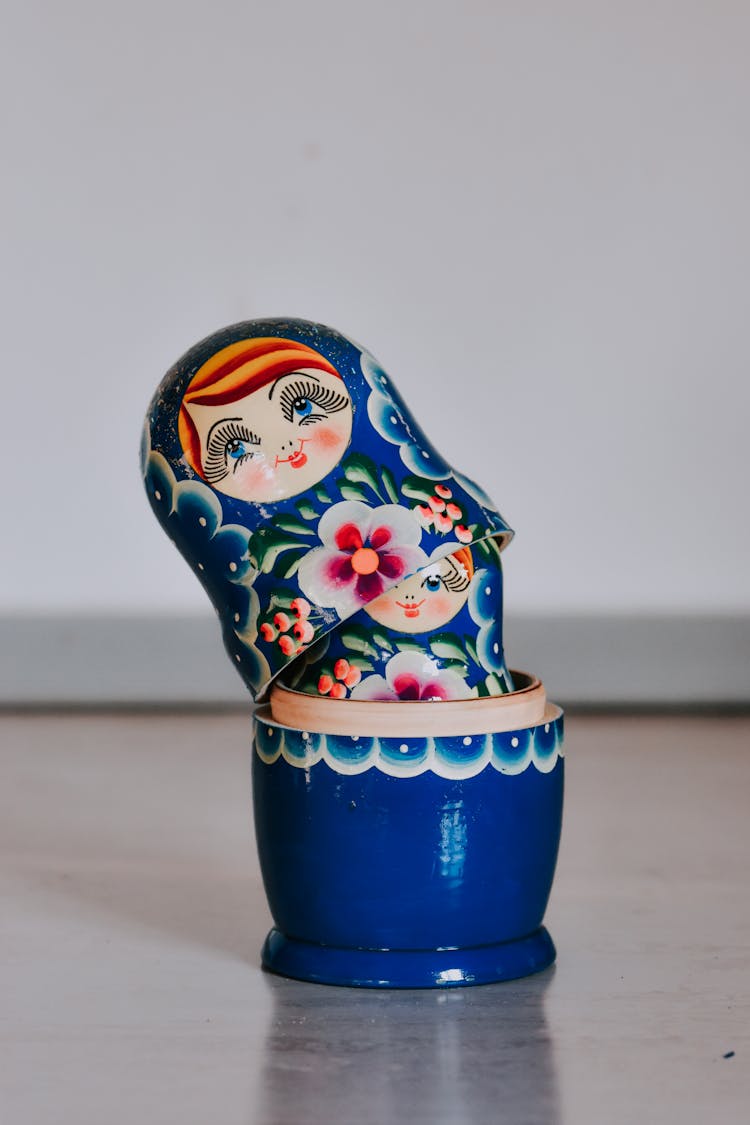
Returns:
point(277, 441)
point(426, 601)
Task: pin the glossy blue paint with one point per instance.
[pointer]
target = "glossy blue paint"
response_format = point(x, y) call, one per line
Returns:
point(412, 968)
point(372, 861)
point(250, 554)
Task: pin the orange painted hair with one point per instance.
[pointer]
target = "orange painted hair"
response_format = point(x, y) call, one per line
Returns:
point(464, 558)
point(236, 371)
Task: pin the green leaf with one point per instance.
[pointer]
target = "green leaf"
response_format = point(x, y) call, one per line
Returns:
point(389, 483)
point(382, 640)
point(417, 488)
point(360, 469)
point(306, 510)
point(357, 639)
point(284, 568)
point(322, 495)
point(495, 685)
point(448, 647)
point(471, 649)
point(406, 644)
point(266, 546)
point(288, 522)
point(281, 601)
point(503, 680)
point(362, 663)
point(488, 548)
point(352, 491)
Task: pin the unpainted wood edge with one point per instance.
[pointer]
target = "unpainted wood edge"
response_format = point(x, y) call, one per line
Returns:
point(491, 714)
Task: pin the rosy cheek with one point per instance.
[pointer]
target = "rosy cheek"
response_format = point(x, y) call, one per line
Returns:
point(328, 437)
point(251, 476)
point(385, 607)
point(439, 607)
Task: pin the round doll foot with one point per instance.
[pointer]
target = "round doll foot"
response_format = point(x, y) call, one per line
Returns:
point(398, 968)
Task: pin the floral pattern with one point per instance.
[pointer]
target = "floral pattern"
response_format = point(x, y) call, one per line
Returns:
point(284, 575)
point(413, 677)
point(364, 551)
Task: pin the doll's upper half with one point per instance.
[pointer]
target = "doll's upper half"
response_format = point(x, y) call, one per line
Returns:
point(280, 458)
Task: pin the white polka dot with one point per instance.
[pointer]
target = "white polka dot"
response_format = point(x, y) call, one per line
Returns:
point(514, 742)
point(404, 748)
point(305, 735)
point(546, 728)
point(233, 566)
point(496, 648)
point(383, 379)
point(425, 454)
point(270, 730)
point(202, 521)
point(467, 741)
point(354, 737)
point(237, 617)
point(394, 419)
point(157, 494)
point(237, 657)
point(201, 566)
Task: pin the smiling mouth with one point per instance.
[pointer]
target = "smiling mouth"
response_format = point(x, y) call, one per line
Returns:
point(411, 609)
point(297, 459)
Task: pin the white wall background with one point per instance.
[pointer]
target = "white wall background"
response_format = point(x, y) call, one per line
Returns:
point(535, 214)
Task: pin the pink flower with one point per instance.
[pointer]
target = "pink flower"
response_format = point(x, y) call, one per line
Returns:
point(325, 683)
point(282, 622)
point(267, 632)
point(463, 534)
point(453, 511)
point(364, 552)
point(411, 676)
point(443, 491)
point(301, 607)
point(287, 645)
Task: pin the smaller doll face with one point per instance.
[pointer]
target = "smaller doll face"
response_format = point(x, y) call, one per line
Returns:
point(426, 601)
point(277, 441)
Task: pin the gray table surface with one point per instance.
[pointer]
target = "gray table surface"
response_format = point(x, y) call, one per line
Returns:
point(133, 913)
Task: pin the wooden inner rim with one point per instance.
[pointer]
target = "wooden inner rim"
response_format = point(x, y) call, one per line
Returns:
point(356, 717)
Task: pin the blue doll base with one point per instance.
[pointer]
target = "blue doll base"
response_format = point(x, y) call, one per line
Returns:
point(396, 968)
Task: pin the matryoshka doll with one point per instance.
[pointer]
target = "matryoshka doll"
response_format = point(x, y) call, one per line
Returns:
point(407, 785)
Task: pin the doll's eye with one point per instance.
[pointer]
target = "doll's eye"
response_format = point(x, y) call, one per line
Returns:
point(236, 449)
point(301, 408)
point(306, 402)
point(229, 445)
point(432, 584)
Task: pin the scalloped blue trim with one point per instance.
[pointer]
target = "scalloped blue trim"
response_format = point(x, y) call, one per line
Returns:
point(509, 752)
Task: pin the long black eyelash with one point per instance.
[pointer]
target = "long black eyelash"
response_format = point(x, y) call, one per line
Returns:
point(456, 579)
point(330, 402)
point(215, 467)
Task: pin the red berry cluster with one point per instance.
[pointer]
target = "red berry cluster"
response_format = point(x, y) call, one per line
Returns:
point(346, 676)
point(291, 636)
point(442, 514)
